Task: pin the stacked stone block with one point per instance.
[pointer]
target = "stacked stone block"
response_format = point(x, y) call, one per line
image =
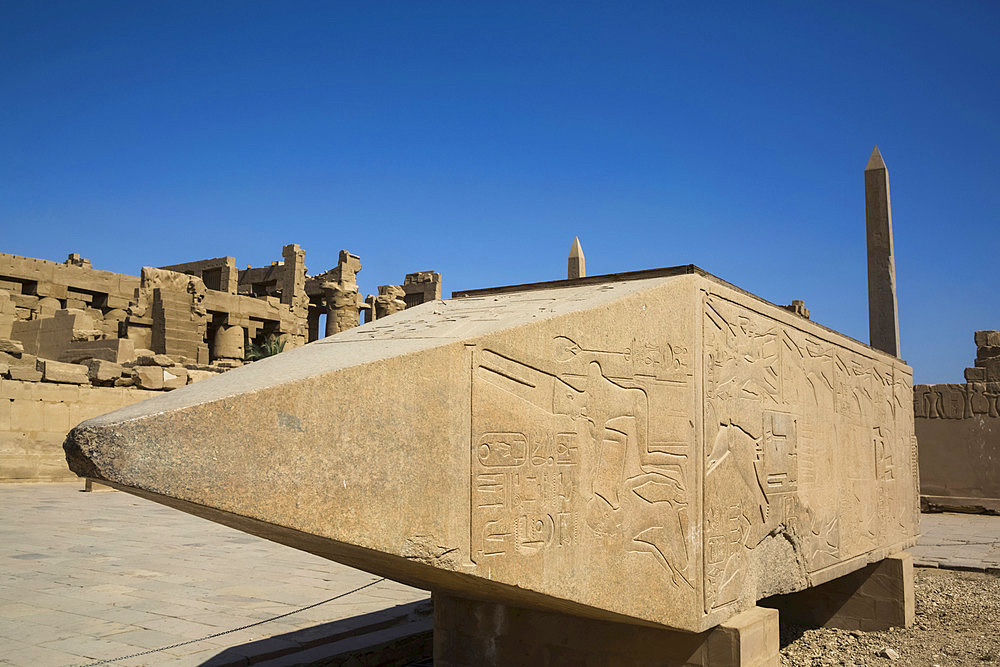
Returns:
point(987, 364)
point(173, 333)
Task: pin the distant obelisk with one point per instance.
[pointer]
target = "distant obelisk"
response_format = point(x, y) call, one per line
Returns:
point(577, 264)
point(883, 320)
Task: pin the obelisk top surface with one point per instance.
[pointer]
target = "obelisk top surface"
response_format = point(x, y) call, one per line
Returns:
point(875, 161)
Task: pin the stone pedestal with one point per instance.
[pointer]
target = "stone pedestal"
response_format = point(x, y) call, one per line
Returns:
point(470, 632)
point(875, 597)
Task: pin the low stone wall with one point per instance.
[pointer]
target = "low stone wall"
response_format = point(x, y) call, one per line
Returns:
point(959, 453)
point(35, 418)
point(958, 435)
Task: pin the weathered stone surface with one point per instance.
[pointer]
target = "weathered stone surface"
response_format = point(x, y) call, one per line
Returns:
point(174, 377)
point(390, 300)
point(116, 350)
point(11, 346)
point(162, 360)
point(24, 373)
point(49, 337)
point(149, 377)
point(656, 447)
point(56, 371)
point(194, 375)
point(975, 374)
point(987, 338)
point(103, 372)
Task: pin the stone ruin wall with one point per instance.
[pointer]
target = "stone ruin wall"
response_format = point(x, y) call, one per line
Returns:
point(958, 431)
point(76, 342)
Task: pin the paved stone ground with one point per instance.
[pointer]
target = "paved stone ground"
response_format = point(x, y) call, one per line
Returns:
point(96, 576)
point(960, 541)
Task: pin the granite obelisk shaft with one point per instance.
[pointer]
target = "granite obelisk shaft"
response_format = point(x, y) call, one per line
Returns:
point(883, 320)
point(577, 264)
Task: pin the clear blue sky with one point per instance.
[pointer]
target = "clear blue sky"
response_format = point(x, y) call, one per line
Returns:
point(477, 138)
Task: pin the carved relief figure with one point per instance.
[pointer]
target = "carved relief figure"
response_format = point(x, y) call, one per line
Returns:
point(795, 437)
point(602, 473)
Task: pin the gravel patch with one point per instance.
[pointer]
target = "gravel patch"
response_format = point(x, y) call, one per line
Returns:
point(957, 623)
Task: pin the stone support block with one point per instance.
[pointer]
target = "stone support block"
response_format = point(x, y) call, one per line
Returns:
point(876, 597)
point(91, 486)
point(469, 632)
point(56, 371)
point(13, 347)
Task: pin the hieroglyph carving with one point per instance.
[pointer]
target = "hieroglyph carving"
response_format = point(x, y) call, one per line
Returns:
point(803, 440)
point(957, 401)
point(564, 453)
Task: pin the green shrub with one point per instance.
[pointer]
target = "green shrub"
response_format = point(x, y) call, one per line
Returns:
point(271, 346)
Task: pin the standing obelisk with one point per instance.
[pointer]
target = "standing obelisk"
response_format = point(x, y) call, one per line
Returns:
point(577, 264)
point(883, 320)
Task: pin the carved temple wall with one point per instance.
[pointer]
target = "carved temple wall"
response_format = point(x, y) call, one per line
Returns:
point(958, 431)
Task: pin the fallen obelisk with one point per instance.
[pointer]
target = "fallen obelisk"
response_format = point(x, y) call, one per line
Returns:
point(657, 448)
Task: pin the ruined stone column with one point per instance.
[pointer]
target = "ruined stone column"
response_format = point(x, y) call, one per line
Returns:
point(342, 312)
point(883, 321)
point(577, 263)
point(229, 343)
point(389, 300)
